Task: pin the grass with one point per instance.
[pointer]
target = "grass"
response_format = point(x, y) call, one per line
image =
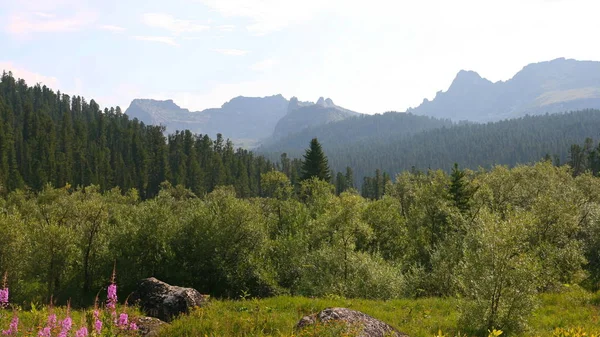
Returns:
point(418, 318)
point(277, 316)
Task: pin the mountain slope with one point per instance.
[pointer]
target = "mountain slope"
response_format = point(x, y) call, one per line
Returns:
point(302, 115)
point(242, 119)
point(554, 86)
point(394, 142)
point(509, 142)
point(361, 128)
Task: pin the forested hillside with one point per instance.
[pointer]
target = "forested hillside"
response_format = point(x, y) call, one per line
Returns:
point(392, 142)
point(378, 127)
point(51, 138)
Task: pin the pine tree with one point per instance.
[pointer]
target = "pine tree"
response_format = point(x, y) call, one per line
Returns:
point(315, 163)
point(349, 177)
point(341, 184)
point(459, 189)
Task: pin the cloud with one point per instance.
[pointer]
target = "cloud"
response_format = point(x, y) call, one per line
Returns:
point(231, 52)
point(264, 65)
point(173, 25)
point(226, 28)
point(270, 15)
point(112, 28)
point(44, 15)
point(23, 24)
point(30, 77)
point(162, 39)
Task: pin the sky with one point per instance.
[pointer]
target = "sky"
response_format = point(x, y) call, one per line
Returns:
point(368, 56)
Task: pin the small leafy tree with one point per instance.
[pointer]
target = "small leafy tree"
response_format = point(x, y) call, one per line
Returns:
point(499, 277)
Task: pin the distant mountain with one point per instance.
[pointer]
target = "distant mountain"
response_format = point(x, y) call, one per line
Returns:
point(302, 115)
point(546, 87)
point(243, 119)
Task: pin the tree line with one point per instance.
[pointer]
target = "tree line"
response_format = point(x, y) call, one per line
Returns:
point(52, 138)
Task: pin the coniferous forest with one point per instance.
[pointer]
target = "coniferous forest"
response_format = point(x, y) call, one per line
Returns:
point(51, 138)
point(85, 190)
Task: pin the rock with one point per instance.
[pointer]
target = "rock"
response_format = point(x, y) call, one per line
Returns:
point(161, 300)
point(149, 326)
point(367, 325)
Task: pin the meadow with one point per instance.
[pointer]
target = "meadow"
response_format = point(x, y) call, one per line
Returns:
point(572, 312)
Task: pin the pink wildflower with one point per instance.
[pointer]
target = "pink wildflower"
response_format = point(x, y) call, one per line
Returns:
point(4, 292)
point(112, 289)
point(52, 320)
point(123, 320)
point(13, 328)
point(66, 324)
point(3, 297)
point(133, 326)
point(112, 296)
point(83, 332)
point(45, 332)
point(98, 326)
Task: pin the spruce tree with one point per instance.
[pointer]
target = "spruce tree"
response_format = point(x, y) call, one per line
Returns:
point(315, 163)
point(459, 189)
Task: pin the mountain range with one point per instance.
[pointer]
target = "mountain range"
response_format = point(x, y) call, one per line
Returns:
point(245, 120)
point(546, 87)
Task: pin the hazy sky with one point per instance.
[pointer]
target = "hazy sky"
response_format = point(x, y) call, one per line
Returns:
point(369, 56)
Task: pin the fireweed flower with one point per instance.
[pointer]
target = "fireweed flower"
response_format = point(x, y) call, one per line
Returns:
point(98, 326)
point(112, 296)
point(13, 328)
point(123, 320)
point(83, 332)
point(52, 320)
point(4, 297)
point(4, 292)
point(66, 324)
point(133, 326)
point(45, 332)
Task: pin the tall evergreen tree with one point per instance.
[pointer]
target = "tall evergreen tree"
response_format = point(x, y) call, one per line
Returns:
point(459, 189)
point(349, 177)
point(315, 163)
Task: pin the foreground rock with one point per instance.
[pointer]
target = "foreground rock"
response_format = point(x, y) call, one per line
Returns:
point(365, 324)
point(163, 301)
point(149, 326)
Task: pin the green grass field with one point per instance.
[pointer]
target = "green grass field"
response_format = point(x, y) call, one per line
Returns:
point(418, 318)
point(277, 316)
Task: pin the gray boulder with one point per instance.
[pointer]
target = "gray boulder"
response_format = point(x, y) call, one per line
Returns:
point(165, 302)
point(149, 326)
point(366, 325)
